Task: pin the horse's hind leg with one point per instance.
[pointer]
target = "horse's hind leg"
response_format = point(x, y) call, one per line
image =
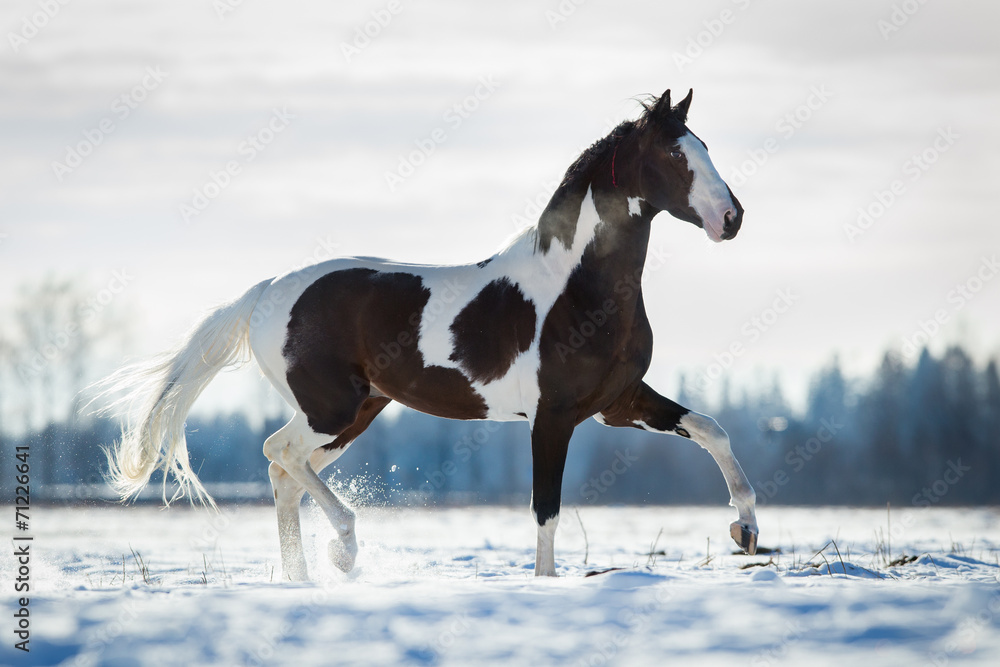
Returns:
point(644, 408)
point(287, 496)
point(287, 501)
point(292, 450)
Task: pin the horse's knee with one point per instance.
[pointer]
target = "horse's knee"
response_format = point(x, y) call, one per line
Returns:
point(706, 431)
point(276, 474)
point(282, 484)
point(274, 449)
point(293, 443)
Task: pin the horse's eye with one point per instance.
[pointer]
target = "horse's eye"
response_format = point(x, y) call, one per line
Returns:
point(677, 155)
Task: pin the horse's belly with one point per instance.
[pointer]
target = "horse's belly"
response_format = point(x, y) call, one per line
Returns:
point(449, 393)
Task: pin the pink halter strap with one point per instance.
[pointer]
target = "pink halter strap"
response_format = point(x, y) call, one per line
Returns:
point(613, 156)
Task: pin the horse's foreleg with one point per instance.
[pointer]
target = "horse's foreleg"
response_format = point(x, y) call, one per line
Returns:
point(549, 442)
point(644, 408)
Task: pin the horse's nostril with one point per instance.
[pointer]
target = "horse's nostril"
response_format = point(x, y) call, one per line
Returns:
point(730, 219)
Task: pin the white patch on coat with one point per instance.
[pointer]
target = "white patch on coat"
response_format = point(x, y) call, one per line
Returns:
point(646, 427)
point(709, 195)
point(635, 206)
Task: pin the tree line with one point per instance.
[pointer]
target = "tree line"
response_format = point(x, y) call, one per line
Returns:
point(914, 434)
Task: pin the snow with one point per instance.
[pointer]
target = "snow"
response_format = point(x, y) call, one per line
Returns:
point(455, 587)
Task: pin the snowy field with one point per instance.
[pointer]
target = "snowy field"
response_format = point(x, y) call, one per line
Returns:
point(142, 586)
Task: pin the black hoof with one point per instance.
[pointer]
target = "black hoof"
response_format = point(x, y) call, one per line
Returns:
point(744, 536)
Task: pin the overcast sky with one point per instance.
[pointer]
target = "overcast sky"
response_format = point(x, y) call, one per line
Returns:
point(810, 111)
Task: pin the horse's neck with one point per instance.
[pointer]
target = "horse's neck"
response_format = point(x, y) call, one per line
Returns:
point(602, 239)
point(599, 222)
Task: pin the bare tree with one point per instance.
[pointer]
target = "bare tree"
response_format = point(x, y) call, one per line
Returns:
point(51, 352)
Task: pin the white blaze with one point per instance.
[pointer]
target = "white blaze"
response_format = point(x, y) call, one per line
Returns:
point(709, 195)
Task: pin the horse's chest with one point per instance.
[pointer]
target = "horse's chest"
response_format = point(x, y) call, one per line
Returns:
point(593, 345)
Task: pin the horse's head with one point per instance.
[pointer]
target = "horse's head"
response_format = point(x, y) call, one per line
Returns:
point(676, 175)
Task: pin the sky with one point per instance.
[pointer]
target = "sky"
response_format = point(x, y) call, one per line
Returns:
point(171, 154)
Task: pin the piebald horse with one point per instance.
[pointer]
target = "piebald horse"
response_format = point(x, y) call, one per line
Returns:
point(550, 330)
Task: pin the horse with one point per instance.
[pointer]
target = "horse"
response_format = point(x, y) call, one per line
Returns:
point(499, 339)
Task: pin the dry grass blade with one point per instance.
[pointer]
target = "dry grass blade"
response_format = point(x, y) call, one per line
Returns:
point(140, 566)
point(586, 542)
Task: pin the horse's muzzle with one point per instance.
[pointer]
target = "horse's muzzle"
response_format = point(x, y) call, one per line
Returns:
point(733, 220)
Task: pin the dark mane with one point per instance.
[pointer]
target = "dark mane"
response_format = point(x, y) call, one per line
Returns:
point(558, 220)
point(601, 149)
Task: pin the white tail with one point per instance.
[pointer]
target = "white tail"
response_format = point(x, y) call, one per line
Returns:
point(164, 389)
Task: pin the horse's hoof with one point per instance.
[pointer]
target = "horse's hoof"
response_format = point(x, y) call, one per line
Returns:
point(745, 536)
point(342, 554)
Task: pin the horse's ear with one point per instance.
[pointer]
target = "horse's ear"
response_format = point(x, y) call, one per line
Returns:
point(662, 106)
point(681, 110)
